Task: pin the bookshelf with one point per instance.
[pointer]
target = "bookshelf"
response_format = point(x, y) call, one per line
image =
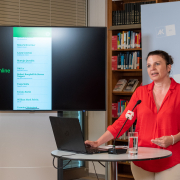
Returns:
point(125, 27)
point(124, 170)
point(133, 49)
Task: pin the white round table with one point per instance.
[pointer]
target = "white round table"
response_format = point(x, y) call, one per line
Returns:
point(144, 153)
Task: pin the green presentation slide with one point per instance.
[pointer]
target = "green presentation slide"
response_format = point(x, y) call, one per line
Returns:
point(32, 66)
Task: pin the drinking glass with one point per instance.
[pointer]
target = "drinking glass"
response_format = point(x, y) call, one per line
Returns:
point(133, 143)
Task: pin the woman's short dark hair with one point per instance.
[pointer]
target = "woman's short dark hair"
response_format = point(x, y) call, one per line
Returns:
point(163, 54)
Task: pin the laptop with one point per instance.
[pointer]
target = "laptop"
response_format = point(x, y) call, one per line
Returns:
point(68, 136)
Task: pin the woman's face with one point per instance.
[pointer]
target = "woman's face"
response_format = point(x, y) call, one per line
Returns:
point(157, 68)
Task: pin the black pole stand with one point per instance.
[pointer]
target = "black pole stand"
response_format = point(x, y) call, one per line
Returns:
point(60, 170)
point(60, 161)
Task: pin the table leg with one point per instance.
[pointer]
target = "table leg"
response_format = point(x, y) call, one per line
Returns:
point(114, 171)
point(60, 170)
point(108, 171)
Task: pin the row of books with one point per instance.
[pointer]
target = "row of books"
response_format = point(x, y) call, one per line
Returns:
point(126, 86)
point(119, 107)
point(127, 60)
point(130, 15)
point(126, 40)
point(117, 110)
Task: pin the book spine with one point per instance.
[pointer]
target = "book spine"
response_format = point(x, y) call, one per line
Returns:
point(127, 11)
point(133, 66)
point(127, 44)
point(114, 42)
point(122, 41)
point(138, 60)
point(118, 41)
point(132, 13)
point(114, 62)
point(139, 45)
point(134, 35)
point(138, 12)
point(125, 40)
point(116, 18)
point(121, 17)
point(135, 86)
point(125, 19)
point(119, 61)
point(120, 37)
point(114, 109)
point(129, 39)
point(119, 109)
point(132, 39)
point(135, 60)
point(127, 60)
point(122, 61)
point(130, 60)
point(113, 18)
point(122, 104)
point(137, 39)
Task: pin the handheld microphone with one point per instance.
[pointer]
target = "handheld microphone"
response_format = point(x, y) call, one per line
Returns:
point(129, 115)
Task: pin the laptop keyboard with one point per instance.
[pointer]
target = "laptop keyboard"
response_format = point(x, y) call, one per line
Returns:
point(95, 150)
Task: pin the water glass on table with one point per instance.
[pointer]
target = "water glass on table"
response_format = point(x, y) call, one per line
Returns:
point(133, 143)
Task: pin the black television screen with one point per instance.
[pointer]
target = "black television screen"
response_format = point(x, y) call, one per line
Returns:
point(52, 68)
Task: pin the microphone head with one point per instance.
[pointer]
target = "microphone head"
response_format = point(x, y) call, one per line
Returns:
point(138, 102)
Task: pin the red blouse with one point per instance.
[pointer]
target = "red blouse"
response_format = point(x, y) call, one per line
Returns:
point(152, 124)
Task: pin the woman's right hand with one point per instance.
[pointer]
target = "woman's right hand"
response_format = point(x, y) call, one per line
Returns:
point(91, 143)
point(107, 136)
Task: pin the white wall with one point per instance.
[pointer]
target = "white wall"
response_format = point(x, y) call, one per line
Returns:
point(97, 13)
point(96, 120)
point(26, 142)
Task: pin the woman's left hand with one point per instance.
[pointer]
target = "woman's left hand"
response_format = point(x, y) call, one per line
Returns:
point(163, 141)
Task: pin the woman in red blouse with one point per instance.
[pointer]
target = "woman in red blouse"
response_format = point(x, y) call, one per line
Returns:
point(158, 120)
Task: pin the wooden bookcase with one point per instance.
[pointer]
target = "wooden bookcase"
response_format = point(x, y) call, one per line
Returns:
point(124, 171)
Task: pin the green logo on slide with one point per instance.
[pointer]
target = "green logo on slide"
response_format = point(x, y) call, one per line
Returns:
point(4, 70)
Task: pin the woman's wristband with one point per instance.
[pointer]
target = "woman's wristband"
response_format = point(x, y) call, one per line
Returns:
point(173, 139)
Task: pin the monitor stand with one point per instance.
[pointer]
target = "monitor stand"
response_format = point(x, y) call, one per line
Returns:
point(60, 161)
point(60, 113)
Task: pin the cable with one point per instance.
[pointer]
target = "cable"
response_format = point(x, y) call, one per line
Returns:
point(95, 170)
point(64, 165)
point(101, 164)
